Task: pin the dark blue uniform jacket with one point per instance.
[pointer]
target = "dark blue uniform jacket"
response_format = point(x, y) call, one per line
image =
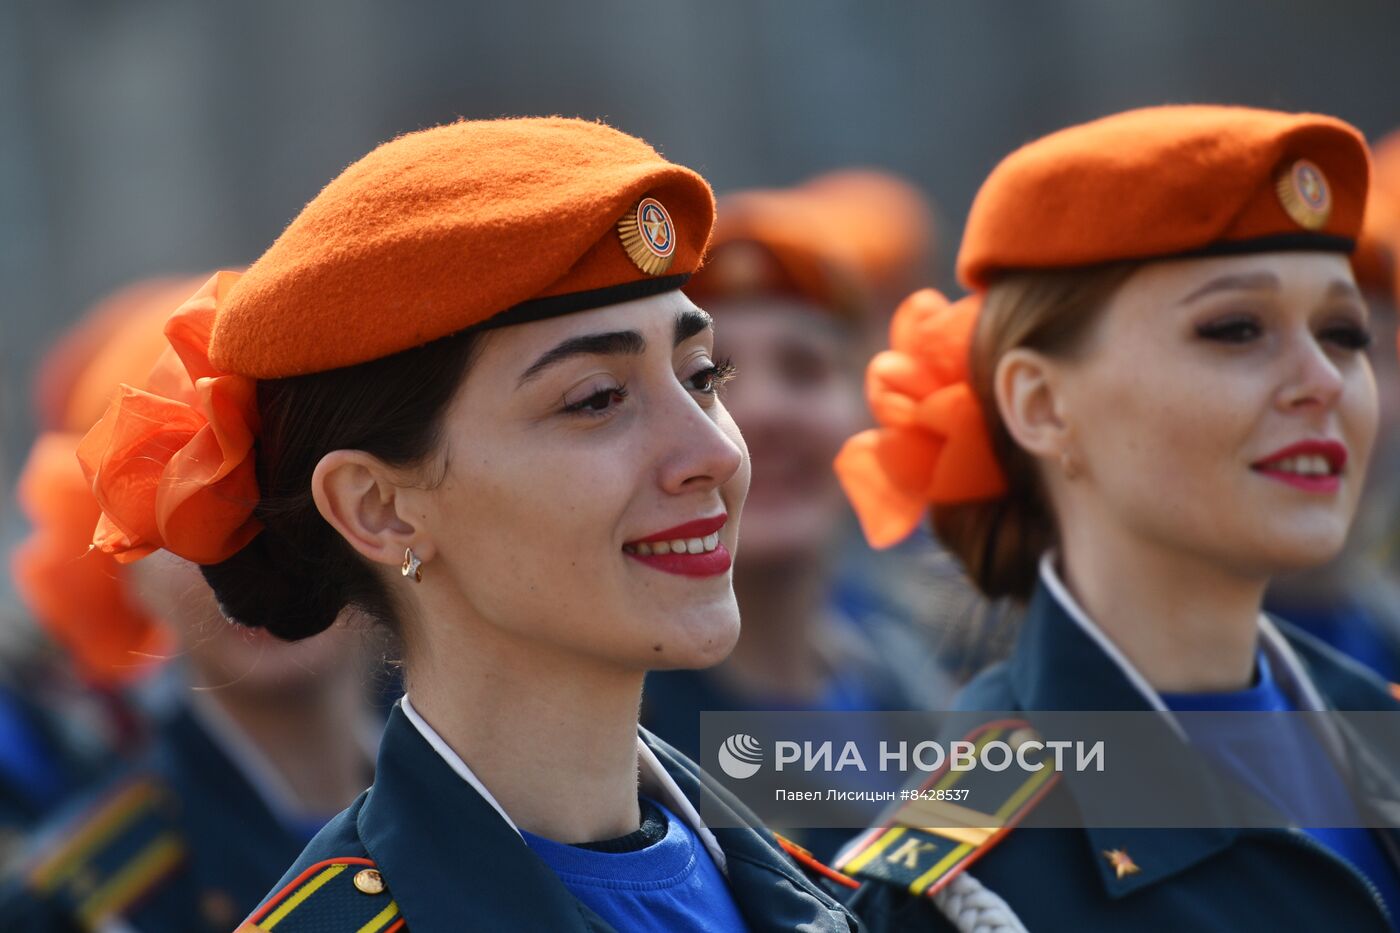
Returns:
point(422, 851)
point(1188, 879)
point(181, 842)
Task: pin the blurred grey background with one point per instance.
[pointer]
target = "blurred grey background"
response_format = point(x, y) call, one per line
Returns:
point(172, 136)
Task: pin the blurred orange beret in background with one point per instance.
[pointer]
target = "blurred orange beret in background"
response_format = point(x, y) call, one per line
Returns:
point(845, 241)
point(1378, 246)
point(1168, 181)
point(76, 593)
point(1373, 262)
point(118, 340)
point(887, 226)
point(448, 227)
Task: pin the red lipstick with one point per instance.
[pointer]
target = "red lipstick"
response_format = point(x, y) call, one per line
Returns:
point(696, 529)
point(690, 550)
point(1313, 466)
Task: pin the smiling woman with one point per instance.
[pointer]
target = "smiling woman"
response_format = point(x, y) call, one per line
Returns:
point(1157, 399)
point(463, 395)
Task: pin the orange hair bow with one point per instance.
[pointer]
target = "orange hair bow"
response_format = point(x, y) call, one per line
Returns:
point(172, 464)
point(932, 446)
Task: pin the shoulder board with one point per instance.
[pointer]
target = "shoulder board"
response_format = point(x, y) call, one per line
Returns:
point(338, 894)
point(113, 854)
point(810, 863)
point(930, 840)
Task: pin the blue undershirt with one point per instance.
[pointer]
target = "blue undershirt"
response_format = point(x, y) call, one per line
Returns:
point(26, 764)
point(672, 884)
point(1288, 768)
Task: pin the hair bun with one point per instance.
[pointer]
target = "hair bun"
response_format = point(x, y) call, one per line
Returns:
point(260, 590)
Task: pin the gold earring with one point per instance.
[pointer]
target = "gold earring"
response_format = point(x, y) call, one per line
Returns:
point(412, 566)
point(1067, 464)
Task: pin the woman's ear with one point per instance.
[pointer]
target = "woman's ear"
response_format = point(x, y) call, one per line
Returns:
point(1028, 396)
point(359, 495)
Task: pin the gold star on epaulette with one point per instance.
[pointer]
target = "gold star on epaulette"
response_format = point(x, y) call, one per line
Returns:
point(1122, 863)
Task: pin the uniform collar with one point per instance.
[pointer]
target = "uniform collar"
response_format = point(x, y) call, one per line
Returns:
point(652, 780)
point(1064, 661)
point(442, 844)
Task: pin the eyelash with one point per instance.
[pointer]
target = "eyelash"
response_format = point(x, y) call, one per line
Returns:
point(714, 376)
point(1242, 330)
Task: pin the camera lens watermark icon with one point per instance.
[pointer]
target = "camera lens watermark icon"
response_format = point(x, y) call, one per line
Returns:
point(741, 756)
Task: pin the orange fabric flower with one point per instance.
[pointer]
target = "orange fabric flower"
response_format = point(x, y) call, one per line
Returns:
point(171, 464)
point(932, 445)
point(74, 589)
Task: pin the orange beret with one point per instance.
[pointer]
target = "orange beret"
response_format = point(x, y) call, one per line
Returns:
point(1169, 181)
point(778, 243)
point(1378, 247)
point(841, 240)
point(886, 225)
point(474, 224)
point(501, 220)
point(118, 340)
point(75, 592)
point(1385, 156)
point(1374, 259)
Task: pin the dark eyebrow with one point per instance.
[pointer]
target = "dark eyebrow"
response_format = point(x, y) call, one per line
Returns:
point(1253, 282)
point(691, 322)
point(616, 343)
point(1341, 288)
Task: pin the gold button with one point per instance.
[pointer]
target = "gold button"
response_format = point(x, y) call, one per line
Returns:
point(369, 881)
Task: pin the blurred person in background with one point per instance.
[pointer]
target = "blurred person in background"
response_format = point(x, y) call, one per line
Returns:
point(1353, 603)
point(1156, 400)
point(250, 745)
point(792, 276)
point(922, 617)
point(69, 705)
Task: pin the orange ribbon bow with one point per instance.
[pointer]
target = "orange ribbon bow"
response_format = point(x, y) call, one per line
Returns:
point(932, 446)
point(172, 464)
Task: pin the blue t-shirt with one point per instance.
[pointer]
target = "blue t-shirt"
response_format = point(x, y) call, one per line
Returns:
point(26, 762)
point(671, 884)
point(1288, 768)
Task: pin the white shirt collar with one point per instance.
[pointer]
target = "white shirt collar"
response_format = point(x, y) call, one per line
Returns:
point(653, 780)
point(1288, 670)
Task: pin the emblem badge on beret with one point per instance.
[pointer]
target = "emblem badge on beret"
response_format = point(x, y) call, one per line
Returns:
point(648, 236)
point(1303, 191)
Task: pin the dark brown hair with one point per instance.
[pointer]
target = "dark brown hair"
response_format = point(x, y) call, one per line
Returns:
point(1000, 542)
point(298, 574)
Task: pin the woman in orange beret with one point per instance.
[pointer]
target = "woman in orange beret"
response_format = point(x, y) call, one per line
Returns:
point(462, 395)
point(1156, 399)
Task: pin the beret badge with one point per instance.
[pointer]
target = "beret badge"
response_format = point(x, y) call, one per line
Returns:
point(1304, 194)
point(648, 236)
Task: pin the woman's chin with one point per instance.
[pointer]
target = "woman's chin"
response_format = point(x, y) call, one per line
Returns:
point(1294, 550)
point(701, 645)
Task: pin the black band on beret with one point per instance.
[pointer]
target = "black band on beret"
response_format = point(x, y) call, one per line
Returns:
point(1279, 243)
point(540, 309)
